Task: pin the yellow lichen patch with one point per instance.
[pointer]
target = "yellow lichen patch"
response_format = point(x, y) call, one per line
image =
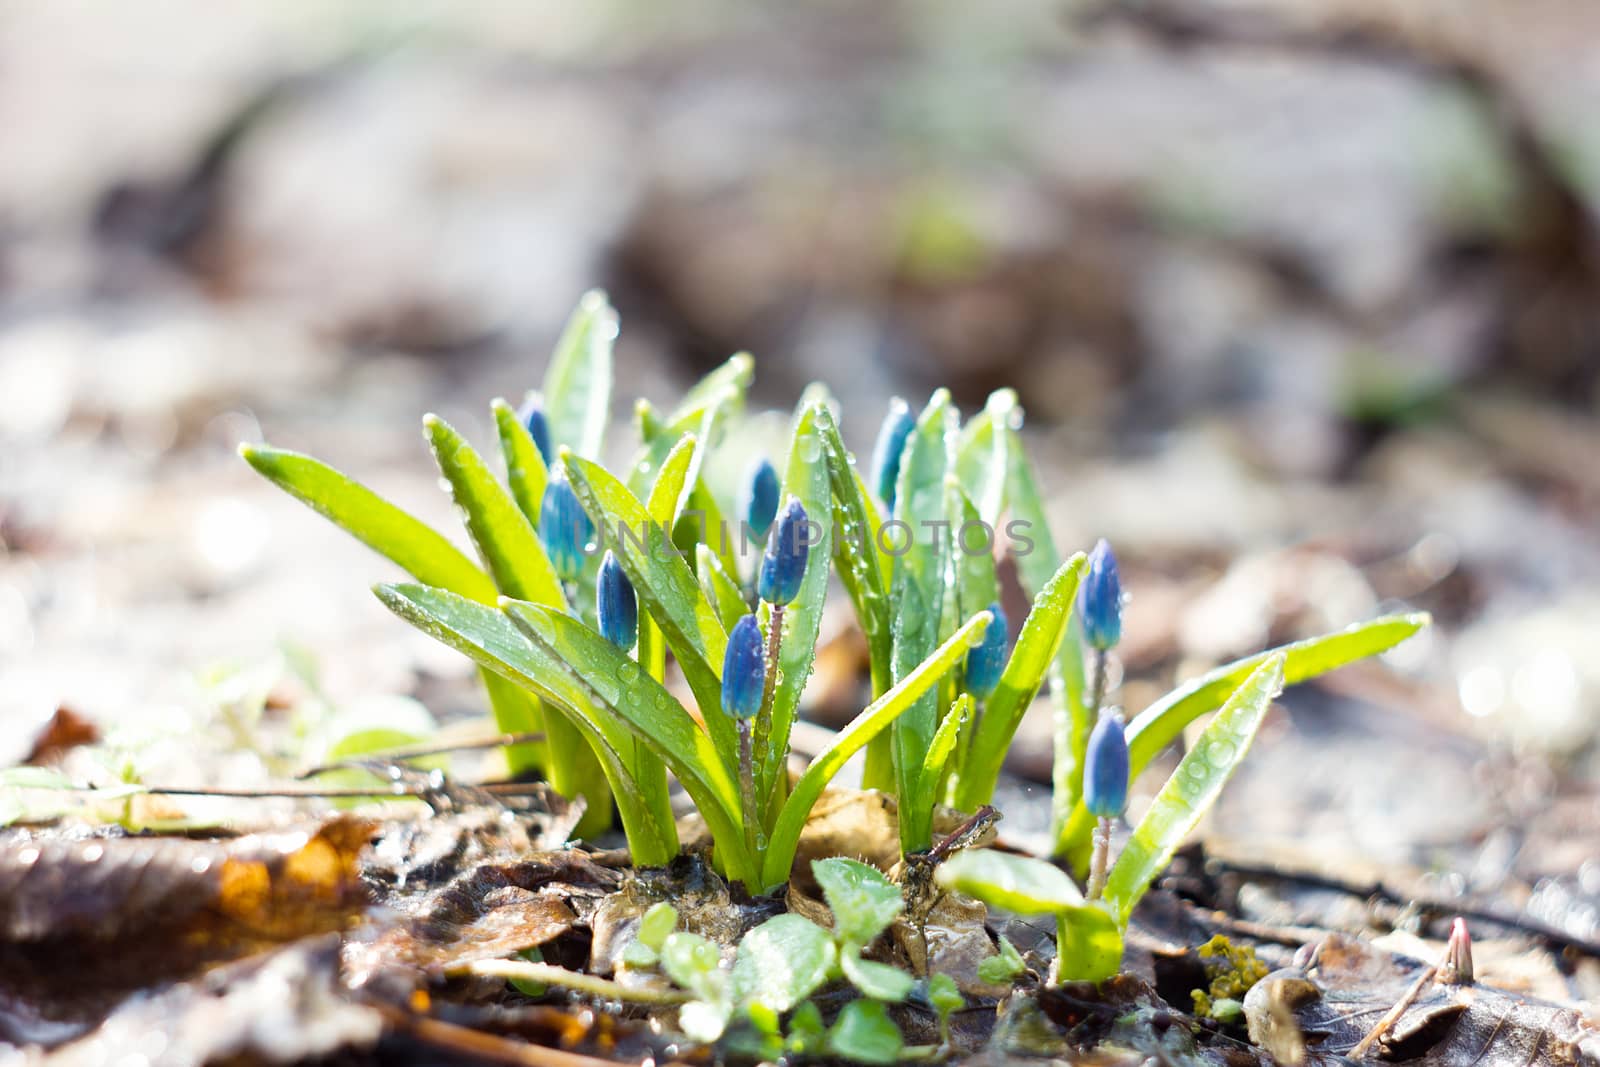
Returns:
point(1232, 970)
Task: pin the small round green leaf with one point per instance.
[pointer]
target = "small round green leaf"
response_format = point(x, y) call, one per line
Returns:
point(782, 962)
point(864, 1033)
point(864, 902)
point(656, 924)
point(695, 964)
point(876, 980)
point(1017, 883)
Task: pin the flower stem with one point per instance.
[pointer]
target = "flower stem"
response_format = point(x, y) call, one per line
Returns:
point(770, 684)
point(1097, 696)
point(747, 791)
point(1100, 861)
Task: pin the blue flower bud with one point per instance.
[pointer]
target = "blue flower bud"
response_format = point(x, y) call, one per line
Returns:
point(1100, 599)
point(785, 562)
point(744, 671)
point(531, 414)
point(986, 662)
point(615, 604)
point(564, 528)
point(1105, 769)
point(758, 498)
point(892, 435)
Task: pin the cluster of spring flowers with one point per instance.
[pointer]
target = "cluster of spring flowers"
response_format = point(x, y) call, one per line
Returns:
point(575, 649)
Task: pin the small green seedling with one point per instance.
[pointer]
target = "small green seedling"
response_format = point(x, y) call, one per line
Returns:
point(1089, 932)
point(1004, 967)
point(657, 923)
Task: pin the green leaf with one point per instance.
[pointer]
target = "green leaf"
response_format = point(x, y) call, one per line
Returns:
point(372, 742)
point(720, 589)
point(1194, 786)
point(654, 716)
point(782, 962)
point(863, 728)
point(918, 605)
point(1037, 645)
point(1159, 724)
point(516, 560)
point(730, 380)
point(1004, 967)
point(525, 467)
point(666, 492)
point(695, 964)
point(860, 564)
point(1088, 944)
point(666, 589)
point(510, 550)
point(946, 999)
point(1037, 562)
point(973, 542)
point(807, 480)
point(577, 386)
point(983, 459)
point(863, 901)
point(492, 641)
point(864, 1033)
point(699, 518)
point(877, 980)
point(415, 547)
point(704, 1020)
point(658, 921)
point(806, 1032)
point(34, 778)
point(1088, 941)
point(944, 742)
point(1021, 884)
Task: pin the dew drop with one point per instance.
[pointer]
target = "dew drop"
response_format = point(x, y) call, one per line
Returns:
point(810, 448)
point(1220, 752)
point(628, 674)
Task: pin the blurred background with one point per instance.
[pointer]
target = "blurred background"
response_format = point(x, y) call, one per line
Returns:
point(1302, 300)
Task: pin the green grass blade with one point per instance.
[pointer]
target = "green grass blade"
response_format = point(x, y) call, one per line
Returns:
point(666, 493)
point(983, 459)
point(515, 558)
point(806, 479)
point(1037, 646)
point(505, 540)
point(720, 589)
point(973, 542)
point(662, 505)
point(855, 548)
point(944, 742)
point(1194, 786)
point(654, 716)
point(919, 603)
point(412, 545)
point(863, 728)
point(490, 639)
point(700, 519)
point(731, 380)
point(1160, 724)
point(1022, 884)
point(577, 386)
point(525, 470)
point(666, 589)
point(1036, 564)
